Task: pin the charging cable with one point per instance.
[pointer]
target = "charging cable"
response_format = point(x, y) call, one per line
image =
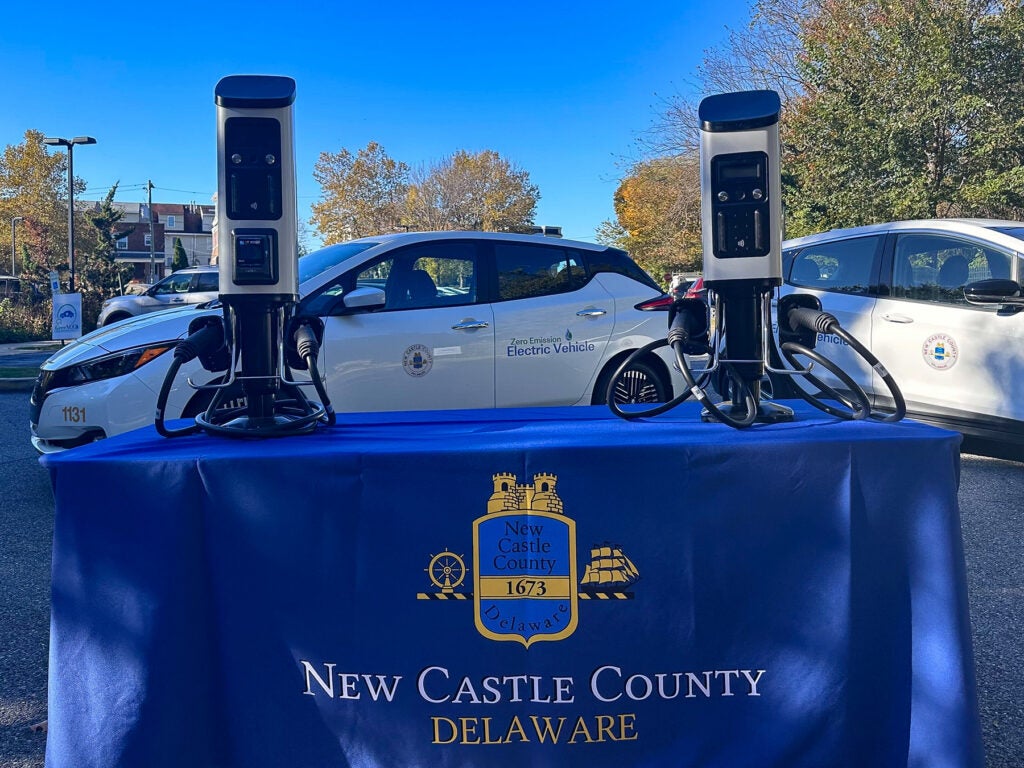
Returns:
point(204, 341)
point(815, 321)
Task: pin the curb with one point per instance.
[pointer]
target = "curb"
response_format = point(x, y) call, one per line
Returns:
point(17, 385)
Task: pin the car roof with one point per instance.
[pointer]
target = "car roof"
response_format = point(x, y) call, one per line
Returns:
point(417, 237)
point(985, 228)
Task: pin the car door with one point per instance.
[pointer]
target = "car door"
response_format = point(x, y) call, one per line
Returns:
point(431, 346)
point(172, 291)
point(843, 275)
point(551, 325)
point(205, 287)
point(948, 357)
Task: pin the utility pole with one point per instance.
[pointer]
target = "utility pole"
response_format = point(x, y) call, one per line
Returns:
point(14, 226)
point(152, 234)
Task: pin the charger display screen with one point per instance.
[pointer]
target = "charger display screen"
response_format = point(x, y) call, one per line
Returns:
point(255, 257)
point(740, 172)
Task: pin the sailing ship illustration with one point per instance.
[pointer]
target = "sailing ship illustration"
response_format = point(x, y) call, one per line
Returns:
point(609, 570)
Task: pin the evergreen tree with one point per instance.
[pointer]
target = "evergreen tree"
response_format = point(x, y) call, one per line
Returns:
point(180, 259)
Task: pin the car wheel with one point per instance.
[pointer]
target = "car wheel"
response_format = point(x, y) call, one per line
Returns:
point(116, 317)
point(640, 383)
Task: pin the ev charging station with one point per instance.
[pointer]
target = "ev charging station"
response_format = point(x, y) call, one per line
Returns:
point(741, 235)
point(257, 238)
point(741, 220)
point(259, 339)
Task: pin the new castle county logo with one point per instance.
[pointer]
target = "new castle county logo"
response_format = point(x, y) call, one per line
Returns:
point(525, 582)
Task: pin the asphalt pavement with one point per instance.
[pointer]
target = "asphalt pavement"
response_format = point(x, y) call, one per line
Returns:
point(26, 533)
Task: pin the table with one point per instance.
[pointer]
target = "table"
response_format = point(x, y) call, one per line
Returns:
point(534, 587)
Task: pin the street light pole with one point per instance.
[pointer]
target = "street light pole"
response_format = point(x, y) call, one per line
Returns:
point(14, 241)
point(70, 144)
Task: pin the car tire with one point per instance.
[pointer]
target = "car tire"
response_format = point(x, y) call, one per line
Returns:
point(116, 317)
point(642, 382)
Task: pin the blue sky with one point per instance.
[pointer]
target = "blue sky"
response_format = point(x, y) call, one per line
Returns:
point(563, 90)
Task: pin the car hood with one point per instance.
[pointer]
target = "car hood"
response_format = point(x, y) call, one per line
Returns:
point(134, 332)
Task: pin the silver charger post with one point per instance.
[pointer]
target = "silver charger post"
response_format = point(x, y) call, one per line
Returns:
point(741, 218)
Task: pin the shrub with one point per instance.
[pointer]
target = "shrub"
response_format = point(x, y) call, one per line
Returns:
point(24, 322)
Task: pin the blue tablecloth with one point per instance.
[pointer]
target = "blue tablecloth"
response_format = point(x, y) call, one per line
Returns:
point(549, 587)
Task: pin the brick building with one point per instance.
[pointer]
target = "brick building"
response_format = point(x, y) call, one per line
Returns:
point(190, 222)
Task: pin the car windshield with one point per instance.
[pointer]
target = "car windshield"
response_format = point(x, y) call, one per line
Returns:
point(320, 261)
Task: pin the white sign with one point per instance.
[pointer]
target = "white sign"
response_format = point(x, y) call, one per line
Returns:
point(54, 283)
point(67, 316)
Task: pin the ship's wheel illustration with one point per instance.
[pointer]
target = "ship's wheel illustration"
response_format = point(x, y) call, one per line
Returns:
point(447, 571)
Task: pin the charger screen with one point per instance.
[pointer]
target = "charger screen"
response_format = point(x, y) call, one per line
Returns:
point(255, 257)
point(746, 171)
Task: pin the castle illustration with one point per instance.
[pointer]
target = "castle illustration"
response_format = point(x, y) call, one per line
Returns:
point(511, 496)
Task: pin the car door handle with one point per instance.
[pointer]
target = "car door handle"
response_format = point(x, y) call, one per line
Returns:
point(176, 301)
point(591, 312)
point(894, 317)
point(469, 325)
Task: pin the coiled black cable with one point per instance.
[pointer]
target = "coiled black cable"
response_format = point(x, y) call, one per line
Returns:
point(203, 341)
point(662, 407)
point(823, 322)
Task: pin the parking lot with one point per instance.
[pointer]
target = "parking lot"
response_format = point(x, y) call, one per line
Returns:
point(993, 525)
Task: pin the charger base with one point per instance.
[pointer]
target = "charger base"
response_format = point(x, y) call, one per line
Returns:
point(767, 413)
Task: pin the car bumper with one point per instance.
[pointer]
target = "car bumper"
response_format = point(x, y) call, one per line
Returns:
point(72, 416)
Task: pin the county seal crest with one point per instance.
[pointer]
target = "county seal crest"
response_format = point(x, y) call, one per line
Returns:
point(524, 563)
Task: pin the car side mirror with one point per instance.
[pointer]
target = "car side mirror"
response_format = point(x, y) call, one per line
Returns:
point(1004, 292)
point(361, 299)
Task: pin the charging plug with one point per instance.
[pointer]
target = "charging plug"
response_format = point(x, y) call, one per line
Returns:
point(205, 341)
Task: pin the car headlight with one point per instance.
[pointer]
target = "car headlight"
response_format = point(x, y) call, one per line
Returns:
point(108, 366)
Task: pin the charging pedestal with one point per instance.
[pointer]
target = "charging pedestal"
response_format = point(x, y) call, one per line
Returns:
point(258, 237)
point(741, 216)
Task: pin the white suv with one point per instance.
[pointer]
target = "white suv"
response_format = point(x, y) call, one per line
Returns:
point(900, 289)
point(415, 321)
point(194, 285)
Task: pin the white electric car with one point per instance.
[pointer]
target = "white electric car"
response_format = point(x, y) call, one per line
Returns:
point(910, 292)
point(413, 321)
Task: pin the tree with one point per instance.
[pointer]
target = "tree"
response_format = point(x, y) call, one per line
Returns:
point(180, 258)
point(657, 208)
point(360, 195)
point(33, 185)
point(471, 191)
point(907, 109)
point(911, 111)
point(98, 274)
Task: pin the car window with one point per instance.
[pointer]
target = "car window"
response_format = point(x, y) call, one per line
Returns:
point(937, 267)
point(844, 266)
point(208, 281)
point(525, 270)
point(415, 277)
point(618, 262)
point(176, 283)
